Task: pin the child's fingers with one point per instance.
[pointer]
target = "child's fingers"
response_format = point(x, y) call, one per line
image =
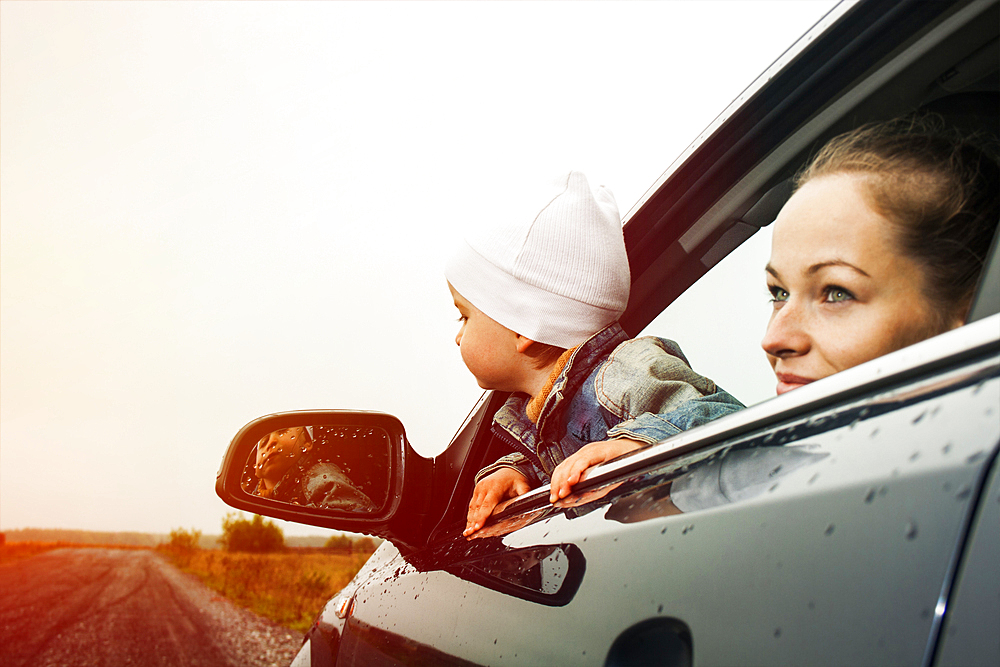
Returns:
point(503, 484)
point(521, 486)
point(480, 506)
point(565, 475)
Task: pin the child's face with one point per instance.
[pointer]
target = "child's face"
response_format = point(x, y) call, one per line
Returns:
point(489, 349)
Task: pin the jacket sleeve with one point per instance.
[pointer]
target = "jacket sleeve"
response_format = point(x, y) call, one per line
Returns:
point(518, 462)
point(648, 385)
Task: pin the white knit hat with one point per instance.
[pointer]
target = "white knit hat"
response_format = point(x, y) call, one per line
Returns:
point(557, 276)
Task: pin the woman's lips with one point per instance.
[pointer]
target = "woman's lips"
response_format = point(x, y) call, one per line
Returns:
point(787, 382)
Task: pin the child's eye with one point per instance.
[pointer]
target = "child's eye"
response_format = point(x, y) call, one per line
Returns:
point(778, 294)
point(836, 294)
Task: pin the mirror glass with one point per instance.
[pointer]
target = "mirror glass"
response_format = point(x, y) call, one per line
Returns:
point(327, 467)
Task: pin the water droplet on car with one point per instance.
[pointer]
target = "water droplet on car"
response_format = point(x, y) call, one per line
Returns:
point(946, 449)
point(774, 472)
point(870, 496)
point(918, 418)
point(914, 456)
point(687, 529)
point(829, 529)
point(811, 605)
point(874, 433)
point(773, 487)
point(659, 609)
point(813, 478)
point(963, 493)
point(976, 458)
point(911, 530)
point(662, 532)
point(777, 633)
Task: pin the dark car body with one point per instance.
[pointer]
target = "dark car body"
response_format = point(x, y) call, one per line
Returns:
point(852, 521)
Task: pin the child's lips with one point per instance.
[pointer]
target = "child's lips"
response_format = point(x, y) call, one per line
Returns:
point(787, 382)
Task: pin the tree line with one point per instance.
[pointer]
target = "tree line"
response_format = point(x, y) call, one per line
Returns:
point(259, 535)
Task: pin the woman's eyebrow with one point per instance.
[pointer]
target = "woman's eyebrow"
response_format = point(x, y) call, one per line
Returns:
point(835, 262)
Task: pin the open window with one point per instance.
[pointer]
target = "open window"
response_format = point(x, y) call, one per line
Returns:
point(949, 68)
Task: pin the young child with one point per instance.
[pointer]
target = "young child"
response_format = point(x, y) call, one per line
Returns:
point(539, 298)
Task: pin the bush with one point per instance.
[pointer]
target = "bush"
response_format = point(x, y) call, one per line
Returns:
point(339, 543)
point(182, 545)
point(184, 540)
point(256, 536)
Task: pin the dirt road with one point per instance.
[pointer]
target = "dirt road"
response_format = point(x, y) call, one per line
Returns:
point(113, 607)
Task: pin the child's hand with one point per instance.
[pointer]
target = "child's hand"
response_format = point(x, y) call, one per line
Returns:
point(570, 471)
point(491, 491)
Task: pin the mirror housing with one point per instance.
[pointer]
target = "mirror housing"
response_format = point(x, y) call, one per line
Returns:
point(401, 496)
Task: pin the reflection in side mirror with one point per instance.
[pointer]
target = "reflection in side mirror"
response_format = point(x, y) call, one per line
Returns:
point(321, 466)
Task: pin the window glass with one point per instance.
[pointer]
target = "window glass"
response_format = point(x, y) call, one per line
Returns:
point(720, 320)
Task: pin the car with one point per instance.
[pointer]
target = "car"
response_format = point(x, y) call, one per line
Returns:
point(868, 530)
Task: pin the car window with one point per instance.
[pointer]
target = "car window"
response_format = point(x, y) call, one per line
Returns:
point(720, 320)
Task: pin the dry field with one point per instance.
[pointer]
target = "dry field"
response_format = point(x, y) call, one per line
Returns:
point(289, 588)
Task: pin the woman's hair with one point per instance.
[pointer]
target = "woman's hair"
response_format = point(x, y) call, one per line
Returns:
point(939, 190)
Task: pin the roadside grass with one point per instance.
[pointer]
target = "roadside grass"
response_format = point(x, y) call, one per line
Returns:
point(289, 588)
point(12, 551)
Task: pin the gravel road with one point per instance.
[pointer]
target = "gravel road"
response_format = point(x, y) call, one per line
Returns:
point(113, 607)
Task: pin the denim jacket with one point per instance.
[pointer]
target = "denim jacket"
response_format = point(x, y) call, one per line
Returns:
point(611, 387)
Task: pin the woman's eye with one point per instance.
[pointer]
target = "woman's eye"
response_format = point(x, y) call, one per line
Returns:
point(836, 294)
point(462, 319)
point(778, 294)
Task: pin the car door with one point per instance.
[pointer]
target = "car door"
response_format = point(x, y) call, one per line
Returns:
point(830, 536)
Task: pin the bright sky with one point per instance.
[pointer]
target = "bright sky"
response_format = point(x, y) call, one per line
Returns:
point(214, 211)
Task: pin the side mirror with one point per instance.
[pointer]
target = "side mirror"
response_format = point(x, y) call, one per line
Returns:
point(336, 469)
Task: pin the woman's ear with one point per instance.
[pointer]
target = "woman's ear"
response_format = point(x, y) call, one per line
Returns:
point(960, 314)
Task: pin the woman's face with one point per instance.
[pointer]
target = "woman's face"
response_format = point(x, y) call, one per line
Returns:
point(842, 293)
point(277, 451)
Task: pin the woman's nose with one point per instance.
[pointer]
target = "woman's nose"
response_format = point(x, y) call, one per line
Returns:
point(458, 336)
point(786, 334)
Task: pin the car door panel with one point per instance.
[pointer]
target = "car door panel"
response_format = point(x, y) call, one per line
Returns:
point(825, 539)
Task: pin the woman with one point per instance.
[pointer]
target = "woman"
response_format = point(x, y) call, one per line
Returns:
point(881, 246)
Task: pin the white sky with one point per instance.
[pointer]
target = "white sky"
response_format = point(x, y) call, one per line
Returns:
point(213, 211)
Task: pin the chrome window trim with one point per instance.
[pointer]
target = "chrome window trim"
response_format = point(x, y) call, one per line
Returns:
point(949, 347)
